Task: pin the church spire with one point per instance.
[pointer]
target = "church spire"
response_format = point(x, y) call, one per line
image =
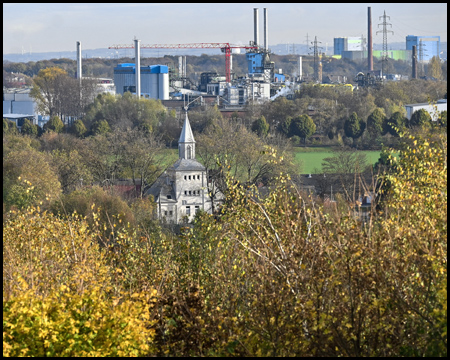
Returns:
point(186, 143)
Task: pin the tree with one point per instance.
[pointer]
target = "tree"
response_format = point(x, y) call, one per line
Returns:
point(58, 94)
point(29, 129)
point(9, 127)
point(434, 68)
point(53, 308)
point(71, 169)
point(420, 118)
point(375, 122)
point(261, 127)
point(28, 178)
point(100, 127)
point(354, 126)
point(302, 126)
point(48, 90)
point(395, 124)
point(126, 111)
point(140, 155)
point(54, 124)
point(78, 128)
point(283, 126)
point(443, 119)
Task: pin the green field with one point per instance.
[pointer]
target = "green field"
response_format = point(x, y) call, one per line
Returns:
point(310, 159)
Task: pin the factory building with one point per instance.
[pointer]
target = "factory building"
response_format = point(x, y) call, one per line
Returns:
point(434, 110)
point(427, 46)
point(348, 44)
point(154, 80)
point(17, 103)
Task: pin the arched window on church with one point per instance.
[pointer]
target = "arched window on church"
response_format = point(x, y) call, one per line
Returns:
point(189, 152)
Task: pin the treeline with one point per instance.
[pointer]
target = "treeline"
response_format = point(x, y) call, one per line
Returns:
point(364, 118)
point(276, 275)
point(96, 67)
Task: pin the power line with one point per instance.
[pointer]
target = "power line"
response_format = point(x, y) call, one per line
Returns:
point(385, 45)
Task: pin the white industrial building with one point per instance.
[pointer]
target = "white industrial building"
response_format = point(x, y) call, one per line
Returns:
point(154, 80)
point(182, 190)
point(433, 110)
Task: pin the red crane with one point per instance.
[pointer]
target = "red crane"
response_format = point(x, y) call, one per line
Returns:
point(224, 47)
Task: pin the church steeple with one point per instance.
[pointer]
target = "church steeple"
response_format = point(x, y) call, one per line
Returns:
point(186, 143)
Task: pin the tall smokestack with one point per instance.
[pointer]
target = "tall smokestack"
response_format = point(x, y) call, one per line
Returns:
point(266, 31)
point(256, 26)
point(369, 40)
point(414, 62)
point(180, 66)
point(79, 75)
point(137, 54)
point(299, 68)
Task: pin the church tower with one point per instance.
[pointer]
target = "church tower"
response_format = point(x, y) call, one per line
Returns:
point(186, 143)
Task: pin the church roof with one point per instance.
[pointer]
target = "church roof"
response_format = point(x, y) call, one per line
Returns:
point(187, 165)
point(186, 133)
point(161, 191)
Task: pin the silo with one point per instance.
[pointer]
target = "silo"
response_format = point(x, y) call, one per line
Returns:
point(163, 79)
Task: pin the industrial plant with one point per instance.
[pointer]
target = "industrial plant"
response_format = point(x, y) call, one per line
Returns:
point(260, 84)
point(263, 80)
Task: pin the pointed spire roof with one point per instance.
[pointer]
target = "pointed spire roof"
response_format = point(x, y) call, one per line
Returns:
point(186, 133)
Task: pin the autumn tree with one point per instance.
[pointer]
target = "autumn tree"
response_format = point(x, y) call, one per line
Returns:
point(57, 94)
point(48, 87)
point(52, 308)
point(434, 68)
point(23, 167)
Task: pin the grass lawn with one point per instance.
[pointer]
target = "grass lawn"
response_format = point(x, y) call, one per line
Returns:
point(312, 159)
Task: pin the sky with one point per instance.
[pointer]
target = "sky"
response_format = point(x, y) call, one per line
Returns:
point(53, 27)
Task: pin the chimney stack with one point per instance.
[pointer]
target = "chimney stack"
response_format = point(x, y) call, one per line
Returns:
point(414, 62)
point(137, 49)
point(266, 31)
point(256, 26)
point(369, 38)
point(79, 75)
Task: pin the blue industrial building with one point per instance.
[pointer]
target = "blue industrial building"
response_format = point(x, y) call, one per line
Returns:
point(427, 46)
point(154, 80)
point(255, 63)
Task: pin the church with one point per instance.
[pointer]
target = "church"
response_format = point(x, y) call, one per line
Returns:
point(182, 189)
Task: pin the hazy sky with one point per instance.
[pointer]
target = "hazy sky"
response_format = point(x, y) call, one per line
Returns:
point(57, 27)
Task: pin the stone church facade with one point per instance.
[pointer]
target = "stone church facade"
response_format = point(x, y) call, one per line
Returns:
point(182, 190)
